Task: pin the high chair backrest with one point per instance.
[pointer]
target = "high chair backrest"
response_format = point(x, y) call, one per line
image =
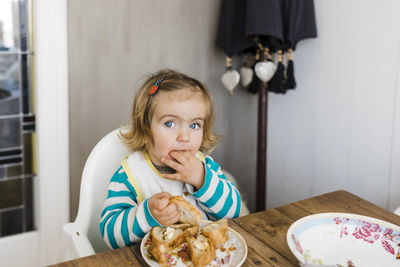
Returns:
point(101, 164)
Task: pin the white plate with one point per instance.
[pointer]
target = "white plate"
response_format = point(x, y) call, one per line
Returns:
point(236, 257)
point(344, 239)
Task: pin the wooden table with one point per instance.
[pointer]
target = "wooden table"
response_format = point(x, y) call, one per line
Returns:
point(264, 232)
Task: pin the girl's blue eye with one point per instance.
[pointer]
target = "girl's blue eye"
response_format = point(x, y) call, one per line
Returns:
point(169, 124)
point(194, 126)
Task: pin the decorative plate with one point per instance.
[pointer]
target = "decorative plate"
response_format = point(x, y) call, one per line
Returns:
point(232, 253)
point(344, 239)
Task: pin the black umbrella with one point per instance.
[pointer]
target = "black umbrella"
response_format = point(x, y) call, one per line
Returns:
point(277, 24)
point(260, 28)
point(231, 36)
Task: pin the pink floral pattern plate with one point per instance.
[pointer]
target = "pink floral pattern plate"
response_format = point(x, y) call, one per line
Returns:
point(344, 239)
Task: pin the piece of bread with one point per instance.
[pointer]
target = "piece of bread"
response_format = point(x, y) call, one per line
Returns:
point(163, 240)
point(189, 213)
point(201, 250)
point(191, 231)
point(188, 229)
point(217, 231)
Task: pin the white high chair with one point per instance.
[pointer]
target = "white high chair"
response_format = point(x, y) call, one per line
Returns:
point(82, 237)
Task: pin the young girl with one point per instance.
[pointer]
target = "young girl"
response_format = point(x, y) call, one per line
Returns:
point(172, 120)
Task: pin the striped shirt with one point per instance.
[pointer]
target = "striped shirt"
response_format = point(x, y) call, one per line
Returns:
point(126, 217)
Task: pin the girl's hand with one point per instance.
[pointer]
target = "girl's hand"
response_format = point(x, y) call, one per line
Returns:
point(162, 211)
point(189, 169)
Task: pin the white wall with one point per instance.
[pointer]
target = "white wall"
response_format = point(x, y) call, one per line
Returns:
point(338, 130)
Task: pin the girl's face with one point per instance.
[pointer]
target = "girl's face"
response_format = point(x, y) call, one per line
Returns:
point(177, 123)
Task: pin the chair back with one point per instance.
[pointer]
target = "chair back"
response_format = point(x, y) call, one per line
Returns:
point(101, 164)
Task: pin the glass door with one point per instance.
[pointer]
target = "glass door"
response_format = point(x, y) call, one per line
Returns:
point(17, 120)
point(17, 137)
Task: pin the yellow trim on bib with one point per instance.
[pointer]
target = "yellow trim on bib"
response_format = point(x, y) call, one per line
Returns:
point(201, 156)
point(132, 179)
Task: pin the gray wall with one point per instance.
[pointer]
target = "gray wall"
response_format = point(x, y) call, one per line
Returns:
point(340, 128)
point(112, 44)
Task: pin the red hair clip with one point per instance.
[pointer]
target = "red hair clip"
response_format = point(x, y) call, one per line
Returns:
point(155, 86)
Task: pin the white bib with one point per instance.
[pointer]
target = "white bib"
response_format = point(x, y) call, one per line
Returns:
point(148, 181)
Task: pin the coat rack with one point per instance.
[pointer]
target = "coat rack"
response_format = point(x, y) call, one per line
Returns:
point(258, 27)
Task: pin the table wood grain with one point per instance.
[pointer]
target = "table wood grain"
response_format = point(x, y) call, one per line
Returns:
point(264, 232)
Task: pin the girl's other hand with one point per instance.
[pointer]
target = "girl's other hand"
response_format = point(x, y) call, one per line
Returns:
point(188, 167)
point(162, 211)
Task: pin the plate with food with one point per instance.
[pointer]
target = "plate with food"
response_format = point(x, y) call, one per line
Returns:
point(193, 242)
point(344, 239)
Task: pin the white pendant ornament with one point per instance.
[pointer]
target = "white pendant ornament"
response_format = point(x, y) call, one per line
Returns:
point(246, 76)
point(230, 80)
point(265, 70)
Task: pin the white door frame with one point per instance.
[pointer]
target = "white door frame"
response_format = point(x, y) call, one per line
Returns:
point(41, 247)
point(51, 67)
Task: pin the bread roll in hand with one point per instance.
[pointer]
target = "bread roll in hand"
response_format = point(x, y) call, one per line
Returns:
point(189, 213)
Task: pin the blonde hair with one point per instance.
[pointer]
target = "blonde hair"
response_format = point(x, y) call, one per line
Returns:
point(139, 134)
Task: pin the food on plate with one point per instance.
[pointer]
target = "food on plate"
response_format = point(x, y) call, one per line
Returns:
point(217, 231)
point(189, 213)
point(201, 250)
point(184, 240)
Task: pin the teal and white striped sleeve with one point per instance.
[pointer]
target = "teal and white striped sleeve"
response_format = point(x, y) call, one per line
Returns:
point(123, 220)
point(218, 197)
